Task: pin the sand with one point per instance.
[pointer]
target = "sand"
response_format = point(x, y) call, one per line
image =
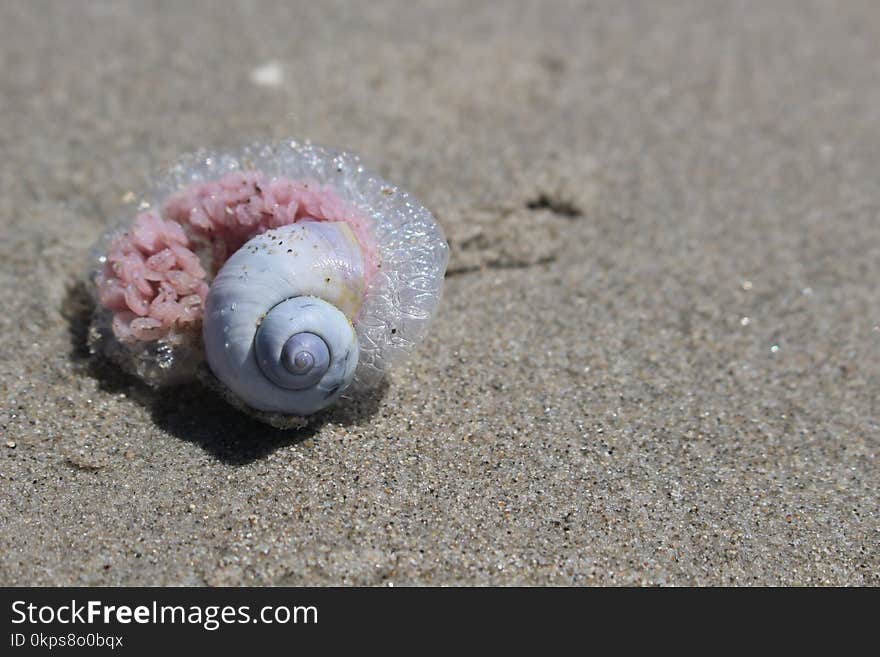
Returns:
point(656, 361)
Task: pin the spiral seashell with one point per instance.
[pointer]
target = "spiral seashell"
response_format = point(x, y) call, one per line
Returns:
point(289, 270)
point(278, 323)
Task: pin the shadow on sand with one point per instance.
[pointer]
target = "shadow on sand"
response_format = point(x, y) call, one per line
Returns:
point(194, 413)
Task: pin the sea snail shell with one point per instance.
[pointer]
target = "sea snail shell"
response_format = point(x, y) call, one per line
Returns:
point(289, 270)
point(278, 322)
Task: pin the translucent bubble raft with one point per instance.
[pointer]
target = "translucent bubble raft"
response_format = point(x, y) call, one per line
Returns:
point(151, 274)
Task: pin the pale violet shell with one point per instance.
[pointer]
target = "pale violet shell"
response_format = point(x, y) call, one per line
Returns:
point(303, 279)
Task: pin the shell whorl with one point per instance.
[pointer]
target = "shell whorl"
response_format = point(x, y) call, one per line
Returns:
point(278, 327)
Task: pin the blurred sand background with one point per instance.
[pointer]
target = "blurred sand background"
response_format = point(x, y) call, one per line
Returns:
point(657, 357)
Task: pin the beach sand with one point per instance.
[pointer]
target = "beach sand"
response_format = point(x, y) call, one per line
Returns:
point(656, 360)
